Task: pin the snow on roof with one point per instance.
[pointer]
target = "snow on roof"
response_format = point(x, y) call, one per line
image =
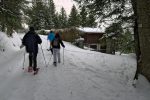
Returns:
point(91, 30)
point(111, 34)
point(80, 39)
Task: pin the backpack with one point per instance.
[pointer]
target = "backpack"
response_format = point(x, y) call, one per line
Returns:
point(56, 42)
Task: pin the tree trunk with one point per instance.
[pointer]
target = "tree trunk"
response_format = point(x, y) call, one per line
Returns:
point(136, 38)
point(143, 20)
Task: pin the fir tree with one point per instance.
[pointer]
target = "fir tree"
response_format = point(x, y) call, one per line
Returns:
point(74, 19)
point(52, 14)
point(83, 17)
point(63, 18)
point(108, 11)
point(57, 20)
point(37, 15)
point(10, 15)
point(91, 21)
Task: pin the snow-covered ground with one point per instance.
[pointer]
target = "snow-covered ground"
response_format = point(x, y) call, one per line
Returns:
point(81, 75)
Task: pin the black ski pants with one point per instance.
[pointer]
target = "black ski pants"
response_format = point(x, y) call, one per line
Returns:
point(33, 60)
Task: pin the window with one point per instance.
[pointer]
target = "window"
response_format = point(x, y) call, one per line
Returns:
point(93, 46)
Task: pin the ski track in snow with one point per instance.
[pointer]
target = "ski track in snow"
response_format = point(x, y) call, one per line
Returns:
point(83, 76)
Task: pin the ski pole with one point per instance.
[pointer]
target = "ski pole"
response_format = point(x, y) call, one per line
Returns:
point(43, 56)
point(50, 59)
point(23, 60)
point(63, 56)
point(48, 47)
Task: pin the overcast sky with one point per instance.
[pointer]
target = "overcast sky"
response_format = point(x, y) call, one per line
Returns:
point(67, 4)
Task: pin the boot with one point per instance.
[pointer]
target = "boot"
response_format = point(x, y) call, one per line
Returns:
point(55, 64)
point(36, 71)
point(30, 69)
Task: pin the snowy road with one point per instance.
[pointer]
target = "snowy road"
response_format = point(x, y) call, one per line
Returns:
point(85, 75)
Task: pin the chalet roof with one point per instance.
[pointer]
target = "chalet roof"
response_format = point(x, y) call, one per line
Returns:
point(90, 30)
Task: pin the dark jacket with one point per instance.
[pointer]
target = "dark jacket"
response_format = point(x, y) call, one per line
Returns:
point(57, 37)
point(31, 41)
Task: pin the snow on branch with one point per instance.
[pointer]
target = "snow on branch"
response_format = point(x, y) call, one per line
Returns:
point(10, 12)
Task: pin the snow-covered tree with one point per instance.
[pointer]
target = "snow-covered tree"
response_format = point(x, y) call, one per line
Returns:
point(63, 18)
point(74, 19)
point(10, 14)
point(83, 17)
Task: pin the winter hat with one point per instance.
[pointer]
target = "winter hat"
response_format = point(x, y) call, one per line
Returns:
point(57, 35)
point(31, 28)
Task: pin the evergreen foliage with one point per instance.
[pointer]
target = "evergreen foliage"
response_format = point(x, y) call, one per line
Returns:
point(83, 17)
point(126, 42)
point(124, 38)
point(37, 15)
point(91, 21)
point(11, 15)
point(63, 18)
point(57, 20)
point(52, 14)
point(87, 19)
point(43, 15)
point(74, 18)
point(119, 11)
point(117, 14)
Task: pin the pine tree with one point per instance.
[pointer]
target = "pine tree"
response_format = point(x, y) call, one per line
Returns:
point(37, 15)
point(57, 20)
point(10, 15)
point(47, 17)
point(83, 17)
point(74, 18)
point(91, 21)
point(43, 15)
point(52, 14)
point(126, 42)
point(63, 18)
point(109, 10)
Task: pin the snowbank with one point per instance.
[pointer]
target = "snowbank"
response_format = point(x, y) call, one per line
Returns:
point(9, 43)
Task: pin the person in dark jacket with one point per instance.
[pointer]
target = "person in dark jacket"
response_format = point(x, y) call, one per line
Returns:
point(31, 41)
point(56, 48)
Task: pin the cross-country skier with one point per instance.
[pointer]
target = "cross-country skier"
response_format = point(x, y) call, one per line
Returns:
point(31, 41)
point(56, 48)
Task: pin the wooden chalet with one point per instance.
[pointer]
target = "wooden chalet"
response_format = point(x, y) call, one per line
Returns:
point(91, 37)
